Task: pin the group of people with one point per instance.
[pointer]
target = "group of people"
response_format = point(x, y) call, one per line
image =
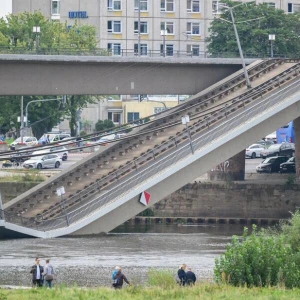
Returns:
point(185, 277)
point(42, 276)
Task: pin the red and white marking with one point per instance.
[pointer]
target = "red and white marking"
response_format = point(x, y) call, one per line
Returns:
point(145, 198)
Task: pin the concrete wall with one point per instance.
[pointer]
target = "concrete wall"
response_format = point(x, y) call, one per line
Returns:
point(10, 190)
point(237, 200)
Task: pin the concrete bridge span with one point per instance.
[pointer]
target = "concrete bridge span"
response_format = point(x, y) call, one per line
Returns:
point(224, 120)
point(86, 75)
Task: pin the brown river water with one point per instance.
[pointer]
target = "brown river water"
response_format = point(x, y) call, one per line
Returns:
point(89, 261)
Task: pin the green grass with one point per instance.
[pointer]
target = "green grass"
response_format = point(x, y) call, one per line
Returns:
point(27, 177)
point(202, 291)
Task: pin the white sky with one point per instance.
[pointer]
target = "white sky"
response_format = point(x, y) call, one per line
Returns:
point(5, 7)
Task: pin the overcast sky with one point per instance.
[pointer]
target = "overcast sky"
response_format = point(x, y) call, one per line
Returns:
point(5, 7)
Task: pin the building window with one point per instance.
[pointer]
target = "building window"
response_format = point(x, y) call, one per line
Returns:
point(143, 5)
point(55, 7)
point(143, 49)
point(193, 28)
point(114, 4)
point(132, 116)
point(193, 5)
point(114, 26)
point(114, 49)
point(193, 50)
point(168, 27)
point(115, 117)
point(169, 50)
point(293, 8)
point(271, 5)
point(167, 5)
point(143, 27)
point(217, 7)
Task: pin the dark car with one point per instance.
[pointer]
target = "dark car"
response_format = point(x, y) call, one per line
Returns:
point(289, 166)
point(284, 149)
point(271, 164)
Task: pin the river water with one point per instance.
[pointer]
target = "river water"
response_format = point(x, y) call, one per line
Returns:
point(89, 261)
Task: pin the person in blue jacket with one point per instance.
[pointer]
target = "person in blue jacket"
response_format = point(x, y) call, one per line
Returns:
point(181, 274)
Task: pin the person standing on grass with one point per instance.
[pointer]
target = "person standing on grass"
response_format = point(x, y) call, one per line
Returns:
point(119, 278)
point(37, 274)
point(48, 274)
point(190, 277)
point(181, 274)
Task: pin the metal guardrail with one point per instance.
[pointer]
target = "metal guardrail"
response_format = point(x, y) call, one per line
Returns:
point(161, 164)
point(133, 53)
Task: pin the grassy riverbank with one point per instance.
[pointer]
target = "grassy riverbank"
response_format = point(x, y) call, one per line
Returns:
point(202, 291)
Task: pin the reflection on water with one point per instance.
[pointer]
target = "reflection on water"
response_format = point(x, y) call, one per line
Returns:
point(89, 260)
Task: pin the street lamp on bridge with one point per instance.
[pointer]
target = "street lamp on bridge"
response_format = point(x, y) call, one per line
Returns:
point(37, 31)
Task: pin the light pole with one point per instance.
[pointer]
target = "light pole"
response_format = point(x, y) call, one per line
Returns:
point(185, 120)
point(248, 83)
point(271, 39)
point(163, 33)
point(139, 28)
point(36, 30)
point(39, 100)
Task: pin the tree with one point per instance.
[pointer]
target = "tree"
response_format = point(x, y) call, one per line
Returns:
point(72, 109)
point(54, 37)
point(102, 125)
point(254, 35)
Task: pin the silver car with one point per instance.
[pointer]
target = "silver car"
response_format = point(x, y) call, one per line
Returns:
point(43, 162)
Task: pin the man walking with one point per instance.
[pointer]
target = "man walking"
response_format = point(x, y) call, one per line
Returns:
point(119, 278)
point(37, 271)
point(190, 277)
point(48, 274)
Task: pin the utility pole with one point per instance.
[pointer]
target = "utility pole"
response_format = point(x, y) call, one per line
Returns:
point(22, 119)
point(139, 28)
point(240, 48)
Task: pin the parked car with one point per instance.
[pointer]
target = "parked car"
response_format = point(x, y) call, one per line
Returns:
point(271, 164)
point(43, 161)
point(55, 137)
point(284, 149)
point(254, 150)
point(103, 140)
point(289, 166)
point(27, 140)
point(63, 154)
point(265, 143)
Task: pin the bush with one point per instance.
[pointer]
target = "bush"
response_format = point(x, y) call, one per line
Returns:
point(258, 259)
point(161, 278)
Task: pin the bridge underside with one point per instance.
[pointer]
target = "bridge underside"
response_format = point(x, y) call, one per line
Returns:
point(42, 75)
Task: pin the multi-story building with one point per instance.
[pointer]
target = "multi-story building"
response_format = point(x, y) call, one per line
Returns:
point(167, 27)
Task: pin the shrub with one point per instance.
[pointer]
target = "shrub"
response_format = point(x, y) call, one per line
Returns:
point(161, 278)
point(258, 259)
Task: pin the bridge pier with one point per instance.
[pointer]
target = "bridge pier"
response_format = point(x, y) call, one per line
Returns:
point(297, 146)
point(233, 169)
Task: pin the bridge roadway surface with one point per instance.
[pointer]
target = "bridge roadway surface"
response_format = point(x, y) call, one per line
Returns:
point(273, 101)
point(94, 75)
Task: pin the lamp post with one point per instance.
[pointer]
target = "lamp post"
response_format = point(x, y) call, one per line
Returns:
point(40, 100)
point(271, 39)
point(36, 30)
point(238, 39)
point(139, 28)
point(185, 120)
point(163, 33)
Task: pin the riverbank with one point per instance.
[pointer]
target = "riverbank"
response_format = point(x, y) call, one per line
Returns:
point(201, 291)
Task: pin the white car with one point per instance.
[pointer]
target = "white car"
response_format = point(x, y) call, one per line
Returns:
point(254, 150)
point(63, 152)
point(27, 140)
point(43, 162)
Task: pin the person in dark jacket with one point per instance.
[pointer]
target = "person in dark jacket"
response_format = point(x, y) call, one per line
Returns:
point(190, 277)
point(119, 279)
point(181, 274)
point(37, 273)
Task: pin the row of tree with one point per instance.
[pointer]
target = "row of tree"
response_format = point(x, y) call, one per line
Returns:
point(254, 24)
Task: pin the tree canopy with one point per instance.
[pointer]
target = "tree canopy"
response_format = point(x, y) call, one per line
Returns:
point(16, 31)
point(254, 34)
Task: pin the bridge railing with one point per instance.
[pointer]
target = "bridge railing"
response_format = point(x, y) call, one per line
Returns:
point(158, 165)
point(132, 53)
